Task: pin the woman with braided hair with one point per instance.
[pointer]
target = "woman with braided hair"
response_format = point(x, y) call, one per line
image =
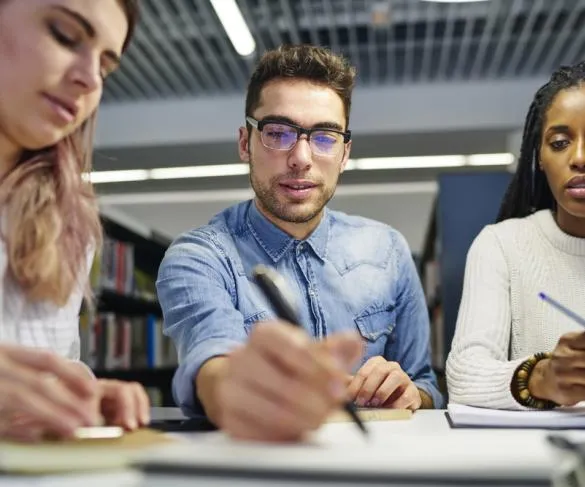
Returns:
point(511, 350)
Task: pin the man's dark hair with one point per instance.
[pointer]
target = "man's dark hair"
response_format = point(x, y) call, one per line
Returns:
point(316, 64)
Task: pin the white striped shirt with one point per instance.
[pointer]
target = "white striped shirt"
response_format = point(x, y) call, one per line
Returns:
point(41, 325)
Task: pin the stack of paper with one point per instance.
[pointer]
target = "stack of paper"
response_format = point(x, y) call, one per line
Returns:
point(77, 455)
point(565, 418)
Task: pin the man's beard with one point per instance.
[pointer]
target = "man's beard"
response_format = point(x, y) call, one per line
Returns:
point(292, 212)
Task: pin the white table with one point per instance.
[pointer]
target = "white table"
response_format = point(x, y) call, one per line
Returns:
point(424, 445)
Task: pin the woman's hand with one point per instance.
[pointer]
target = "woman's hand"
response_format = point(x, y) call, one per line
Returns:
point(562, 377)
point(39, 388)
point(123, 403)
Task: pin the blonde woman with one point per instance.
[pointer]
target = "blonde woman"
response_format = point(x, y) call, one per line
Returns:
point(54, 58)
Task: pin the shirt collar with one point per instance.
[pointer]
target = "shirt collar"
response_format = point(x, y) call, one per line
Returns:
point(276, 243)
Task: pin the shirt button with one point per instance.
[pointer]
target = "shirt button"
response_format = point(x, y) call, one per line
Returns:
point(300, 247)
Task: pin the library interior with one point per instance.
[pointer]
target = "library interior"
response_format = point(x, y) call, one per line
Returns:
point(460, 197)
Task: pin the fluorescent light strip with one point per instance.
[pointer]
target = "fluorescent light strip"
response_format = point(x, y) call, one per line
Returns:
point(409, 162)
point(218, 170)
point(199, 171)
point(454, 1)
point(97, 177)
point(503, 159)
point(235, 26)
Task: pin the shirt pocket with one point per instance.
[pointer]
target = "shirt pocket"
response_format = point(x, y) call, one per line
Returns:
point(376, 325)
point(252, 319)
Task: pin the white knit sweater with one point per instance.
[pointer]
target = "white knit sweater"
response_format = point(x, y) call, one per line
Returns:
point(501, 319)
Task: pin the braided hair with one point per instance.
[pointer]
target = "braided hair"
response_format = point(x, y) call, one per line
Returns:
point(529, 190)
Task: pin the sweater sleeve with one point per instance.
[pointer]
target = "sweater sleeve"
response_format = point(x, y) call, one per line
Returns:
point(479, 371)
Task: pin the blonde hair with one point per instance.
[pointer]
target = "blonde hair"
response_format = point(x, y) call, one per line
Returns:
point(50, 214)
point(51, 218)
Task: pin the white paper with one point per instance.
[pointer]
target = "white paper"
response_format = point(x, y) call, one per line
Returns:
point(570, 417)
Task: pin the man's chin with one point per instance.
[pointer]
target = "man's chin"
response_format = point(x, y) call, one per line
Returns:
point(299, 216)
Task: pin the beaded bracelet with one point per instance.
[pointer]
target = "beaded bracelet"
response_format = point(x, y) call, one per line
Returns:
point(519, 386)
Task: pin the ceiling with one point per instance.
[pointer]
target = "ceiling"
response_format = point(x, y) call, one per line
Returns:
point(432, 79)
point(181, 49)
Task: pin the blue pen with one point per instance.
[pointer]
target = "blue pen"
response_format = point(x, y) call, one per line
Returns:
point(562, 309)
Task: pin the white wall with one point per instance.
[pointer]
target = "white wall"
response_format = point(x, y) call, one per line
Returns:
point(383, 110)
point(406, 207)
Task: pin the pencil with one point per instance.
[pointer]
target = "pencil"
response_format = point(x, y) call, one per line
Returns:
point(563, 309)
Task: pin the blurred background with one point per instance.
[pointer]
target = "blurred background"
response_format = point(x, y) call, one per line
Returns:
point(443, 89)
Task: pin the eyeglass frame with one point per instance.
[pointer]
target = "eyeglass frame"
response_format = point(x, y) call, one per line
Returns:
point(259, 125)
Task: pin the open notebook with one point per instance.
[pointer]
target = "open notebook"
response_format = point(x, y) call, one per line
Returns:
point(77, 455)
point(473, 417)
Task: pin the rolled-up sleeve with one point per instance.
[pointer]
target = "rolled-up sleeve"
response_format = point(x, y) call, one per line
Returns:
point(197, 294)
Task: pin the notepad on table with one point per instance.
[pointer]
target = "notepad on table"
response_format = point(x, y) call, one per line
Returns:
point(76, 455)
point(462, 416)
point(372, 414)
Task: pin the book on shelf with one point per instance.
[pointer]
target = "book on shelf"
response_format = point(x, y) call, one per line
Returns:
point(114, 270)
point(112, 341)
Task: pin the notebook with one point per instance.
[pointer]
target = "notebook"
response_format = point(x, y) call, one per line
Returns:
point(461, 416)
point(110, 478)
point(76, 455)
point(371, 414)
point(339, 453)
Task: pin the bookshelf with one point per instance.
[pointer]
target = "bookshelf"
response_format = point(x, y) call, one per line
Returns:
point(465, 204)
point(121, 336)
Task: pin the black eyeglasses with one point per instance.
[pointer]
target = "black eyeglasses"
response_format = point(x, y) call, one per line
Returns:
point(283, 136)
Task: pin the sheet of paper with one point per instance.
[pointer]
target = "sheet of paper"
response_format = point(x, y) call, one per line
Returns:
point(394, 450)
point(573, 417)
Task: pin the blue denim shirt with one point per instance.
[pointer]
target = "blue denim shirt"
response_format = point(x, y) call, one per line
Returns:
point(351, 273)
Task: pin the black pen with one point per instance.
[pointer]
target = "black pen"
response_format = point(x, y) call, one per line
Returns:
point(273, 286)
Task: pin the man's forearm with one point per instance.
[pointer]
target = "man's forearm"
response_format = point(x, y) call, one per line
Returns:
point(205, 384)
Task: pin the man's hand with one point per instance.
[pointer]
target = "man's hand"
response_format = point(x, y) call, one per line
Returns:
point(379, 383)
point(123, 403)
point(281, 384)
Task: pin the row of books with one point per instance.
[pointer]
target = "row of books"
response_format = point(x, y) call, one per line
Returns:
point(114, 269)
point(115, 342)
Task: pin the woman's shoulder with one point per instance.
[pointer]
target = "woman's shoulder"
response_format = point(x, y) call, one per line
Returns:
point(509, 234)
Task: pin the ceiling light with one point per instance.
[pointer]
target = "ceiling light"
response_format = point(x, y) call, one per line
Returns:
point(237, 169)
point(117, 176)
point(504, 159)
point(200, 171)
point(235, 26)
point(409, 162)
point(454, 1)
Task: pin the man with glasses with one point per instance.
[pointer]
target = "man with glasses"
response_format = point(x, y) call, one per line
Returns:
point(353, 279)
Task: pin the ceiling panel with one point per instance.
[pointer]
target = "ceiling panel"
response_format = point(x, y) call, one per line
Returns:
point(181, 49)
